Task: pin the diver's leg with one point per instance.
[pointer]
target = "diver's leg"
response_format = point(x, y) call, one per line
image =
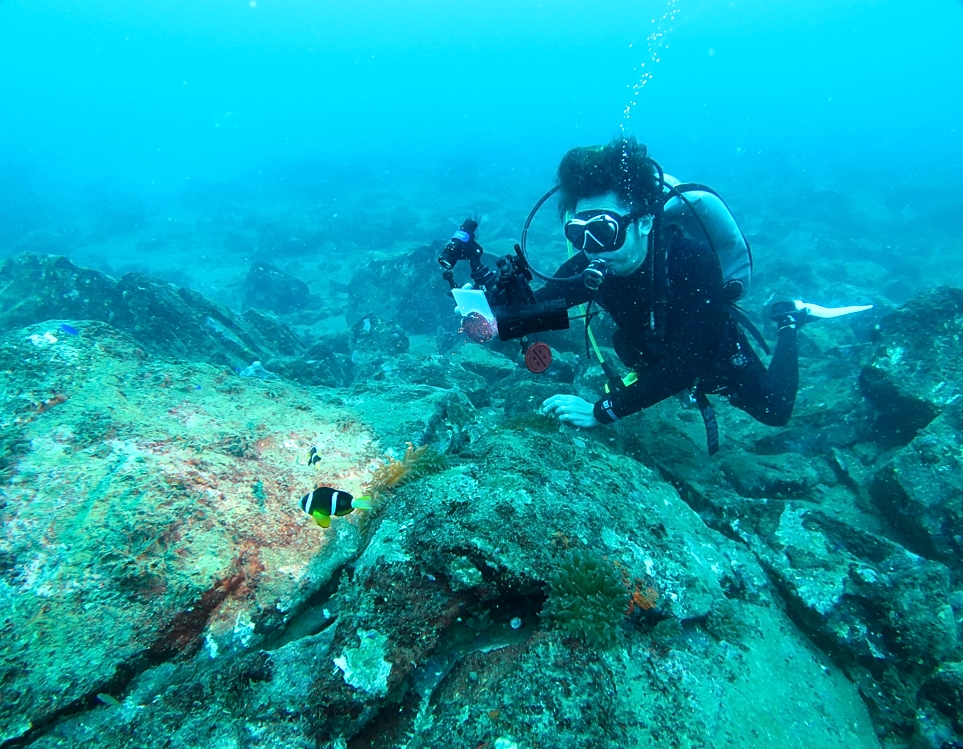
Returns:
point(768, 395)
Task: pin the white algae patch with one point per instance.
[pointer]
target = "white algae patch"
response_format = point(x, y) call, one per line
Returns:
point(365, 666)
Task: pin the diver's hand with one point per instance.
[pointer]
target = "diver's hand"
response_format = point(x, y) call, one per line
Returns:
point(571, 409)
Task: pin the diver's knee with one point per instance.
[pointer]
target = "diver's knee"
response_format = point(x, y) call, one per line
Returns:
point(776, 415)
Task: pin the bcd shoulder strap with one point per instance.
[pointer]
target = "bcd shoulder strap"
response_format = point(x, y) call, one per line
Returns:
point(743, 319)
point(709, 418)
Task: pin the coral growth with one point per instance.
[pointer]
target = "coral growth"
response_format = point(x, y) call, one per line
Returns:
point(587, 599)
point(392, 473)
point(643, 598)
point(12, 445)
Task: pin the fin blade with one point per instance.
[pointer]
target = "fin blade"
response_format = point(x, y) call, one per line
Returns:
point(826, 313)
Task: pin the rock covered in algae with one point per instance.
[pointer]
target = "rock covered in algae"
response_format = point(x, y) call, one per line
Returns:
point(149, 512)
point(163, 318)
point(917, 369)
point(190, 590)
point(921, 489)
point(220, 618)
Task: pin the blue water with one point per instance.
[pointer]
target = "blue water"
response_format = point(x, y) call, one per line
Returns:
point(105, 101)
point(140, 91)
point(189, 139)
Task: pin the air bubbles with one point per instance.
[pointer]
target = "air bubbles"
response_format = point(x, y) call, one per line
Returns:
point(655, 42)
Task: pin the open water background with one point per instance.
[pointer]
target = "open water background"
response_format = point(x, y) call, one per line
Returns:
point(386, 121)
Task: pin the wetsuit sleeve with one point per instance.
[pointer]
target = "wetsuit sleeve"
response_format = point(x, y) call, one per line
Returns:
point(572, 293)
point(643, 393)
point(694, 317)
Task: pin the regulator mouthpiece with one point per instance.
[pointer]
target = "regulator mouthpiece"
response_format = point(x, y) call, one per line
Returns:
point(593, 276)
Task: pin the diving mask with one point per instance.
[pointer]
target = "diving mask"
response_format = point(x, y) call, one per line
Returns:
point(599, 230)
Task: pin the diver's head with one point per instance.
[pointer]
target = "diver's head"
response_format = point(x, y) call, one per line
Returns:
point(610, 235)
point(608, 195)
point(622, 168)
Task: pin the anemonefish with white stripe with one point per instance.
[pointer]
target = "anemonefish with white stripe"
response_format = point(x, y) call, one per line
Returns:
point(325, 503)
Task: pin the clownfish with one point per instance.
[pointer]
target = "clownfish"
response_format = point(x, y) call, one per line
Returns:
point(325, 503)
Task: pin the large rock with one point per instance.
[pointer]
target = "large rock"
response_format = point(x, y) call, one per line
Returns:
point(917, 369)
point(163, 318)
point(422, 414)
point(921, 490)
point(761, 477)
point(435, 633)
point(886, 615)
point(268, 287)
point(162, 588)
point(408, 290)
point(149, 511)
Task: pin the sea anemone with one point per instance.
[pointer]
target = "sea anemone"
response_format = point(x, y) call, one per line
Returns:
point(587, 599)
point(392, 473)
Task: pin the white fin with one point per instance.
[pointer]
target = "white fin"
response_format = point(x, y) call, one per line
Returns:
point(824, 313)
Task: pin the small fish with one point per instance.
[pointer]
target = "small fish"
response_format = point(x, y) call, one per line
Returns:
point(313, 456)
point(109, 700)
point(324, 503)
point(69, 329)
point(39, 615)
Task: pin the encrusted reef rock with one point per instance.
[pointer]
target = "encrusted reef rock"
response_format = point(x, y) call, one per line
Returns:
point(921, 490)
point(408, 290)
point(918, 367)
point(268, 287)
point(163, 318)
point(886, 615)
point(161, 587)
point(149, 512)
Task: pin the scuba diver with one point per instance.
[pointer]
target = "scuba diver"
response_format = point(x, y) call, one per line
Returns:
point(668, 263)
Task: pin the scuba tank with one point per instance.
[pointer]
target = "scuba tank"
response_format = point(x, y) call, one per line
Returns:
point(702, 215)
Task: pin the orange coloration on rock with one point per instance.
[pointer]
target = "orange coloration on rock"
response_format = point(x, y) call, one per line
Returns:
point(55, 400)
point(641, 598)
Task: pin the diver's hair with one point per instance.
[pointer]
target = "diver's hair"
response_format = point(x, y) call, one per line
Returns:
point(622, 167)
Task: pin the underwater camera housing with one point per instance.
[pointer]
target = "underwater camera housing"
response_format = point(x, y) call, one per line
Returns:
point(508, 305)
point(507, 288)
point(516, 310)
point(521, 320)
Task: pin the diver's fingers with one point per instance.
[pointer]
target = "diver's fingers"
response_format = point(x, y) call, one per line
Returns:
point(577, 420)
point(560, 400)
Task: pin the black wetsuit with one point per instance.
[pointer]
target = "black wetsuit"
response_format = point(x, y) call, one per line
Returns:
point(702, 343)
